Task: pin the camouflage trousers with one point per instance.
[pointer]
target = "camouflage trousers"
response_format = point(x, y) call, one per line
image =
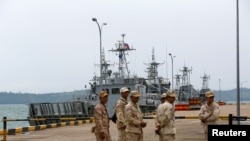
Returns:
point(134, 136)
point(121, 135)
point(107, 136)
point(167, 137)
point(205, 135)
point(160, 137)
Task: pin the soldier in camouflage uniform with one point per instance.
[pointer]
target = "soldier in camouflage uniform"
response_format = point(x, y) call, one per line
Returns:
point(163, 98)
point(120, 110)
point(157, 131)
point(209, 112)
point(102, 119)
point(165, 118)
point(134, 120)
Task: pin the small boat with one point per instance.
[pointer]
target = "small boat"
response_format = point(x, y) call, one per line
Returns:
point(221, 103)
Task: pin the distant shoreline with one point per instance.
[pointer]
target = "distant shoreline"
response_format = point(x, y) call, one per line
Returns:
point(235, 102)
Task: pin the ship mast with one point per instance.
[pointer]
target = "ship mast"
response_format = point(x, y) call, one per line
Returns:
point(105, 65)
point(121, 48)
point(153, 67)
point(186, 76)
point(178, 81)
point(205, 79)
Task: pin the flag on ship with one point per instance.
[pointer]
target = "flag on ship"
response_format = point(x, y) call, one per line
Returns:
point(126, 46)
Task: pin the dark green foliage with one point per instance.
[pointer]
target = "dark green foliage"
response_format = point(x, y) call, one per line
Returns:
point(25, 98)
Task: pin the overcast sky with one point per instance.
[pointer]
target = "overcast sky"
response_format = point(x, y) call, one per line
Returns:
point(53, 45)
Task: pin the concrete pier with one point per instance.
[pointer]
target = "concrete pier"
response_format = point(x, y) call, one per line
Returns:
point(187, 129)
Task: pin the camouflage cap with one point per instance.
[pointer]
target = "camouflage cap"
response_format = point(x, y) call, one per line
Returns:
point(103, 94)
point(135, 94)
point(163, 95)
point(124, 89)
point(209, 94)
point(171, 94)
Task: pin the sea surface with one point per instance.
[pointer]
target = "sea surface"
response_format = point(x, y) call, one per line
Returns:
point(14, 111)
point(235, 102)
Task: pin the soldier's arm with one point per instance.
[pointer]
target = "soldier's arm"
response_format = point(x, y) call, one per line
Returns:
point(201, 113)
point(171, 114)
point(167, 116)
point(129, 116)
point(99, 119)
point(119, 114)
point(215, 114)
point(157, 123)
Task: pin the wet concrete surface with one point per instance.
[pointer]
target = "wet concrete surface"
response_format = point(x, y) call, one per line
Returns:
point(187, 129)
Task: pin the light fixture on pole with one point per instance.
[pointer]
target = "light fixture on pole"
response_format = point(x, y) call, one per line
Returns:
point(241, 88)
point(100, 33)
point(172, 60)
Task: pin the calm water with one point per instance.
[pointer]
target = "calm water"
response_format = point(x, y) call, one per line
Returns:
point(14, 111)
point(235, 102)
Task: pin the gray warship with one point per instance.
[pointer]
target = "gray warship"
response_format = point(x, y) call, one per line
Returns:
point(204, 87)
point(188, 98)
point(150, 88)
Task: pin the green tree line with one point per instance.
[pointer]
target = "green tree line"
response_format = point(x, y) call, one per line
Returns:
point(25, 98)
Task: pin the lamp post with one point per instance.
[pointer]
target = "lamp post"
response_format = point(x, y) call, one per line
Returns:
point(100, 33)
point(172, 60)
point(238, 60)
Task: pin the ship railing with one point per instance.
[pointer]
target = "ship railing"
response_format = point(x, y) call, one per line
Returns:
point(58, 110)
point(132, 79)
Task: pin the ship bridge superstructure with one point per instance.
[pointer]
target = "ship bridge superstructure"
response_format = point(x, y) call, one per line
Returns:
point(155, 83)
point(186, 90)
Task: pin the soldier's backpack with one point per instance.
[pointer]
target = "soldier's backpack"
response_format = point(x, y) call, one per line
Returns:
point(113, 118)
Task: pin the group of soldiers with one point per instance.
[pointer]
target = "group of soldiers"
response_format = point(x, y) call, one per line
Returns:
point(129, 119)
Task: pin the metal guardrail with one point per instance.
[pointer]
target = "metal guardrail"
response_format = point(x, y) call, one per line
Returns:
point(82, 120)
point(43, 119)
point(69, 121)
point(241, 118)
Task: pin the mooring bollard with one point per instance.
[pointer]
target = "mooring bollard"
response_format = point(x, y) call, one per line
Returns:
point(230, 119)
point(236, 118)
point(4, 129)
